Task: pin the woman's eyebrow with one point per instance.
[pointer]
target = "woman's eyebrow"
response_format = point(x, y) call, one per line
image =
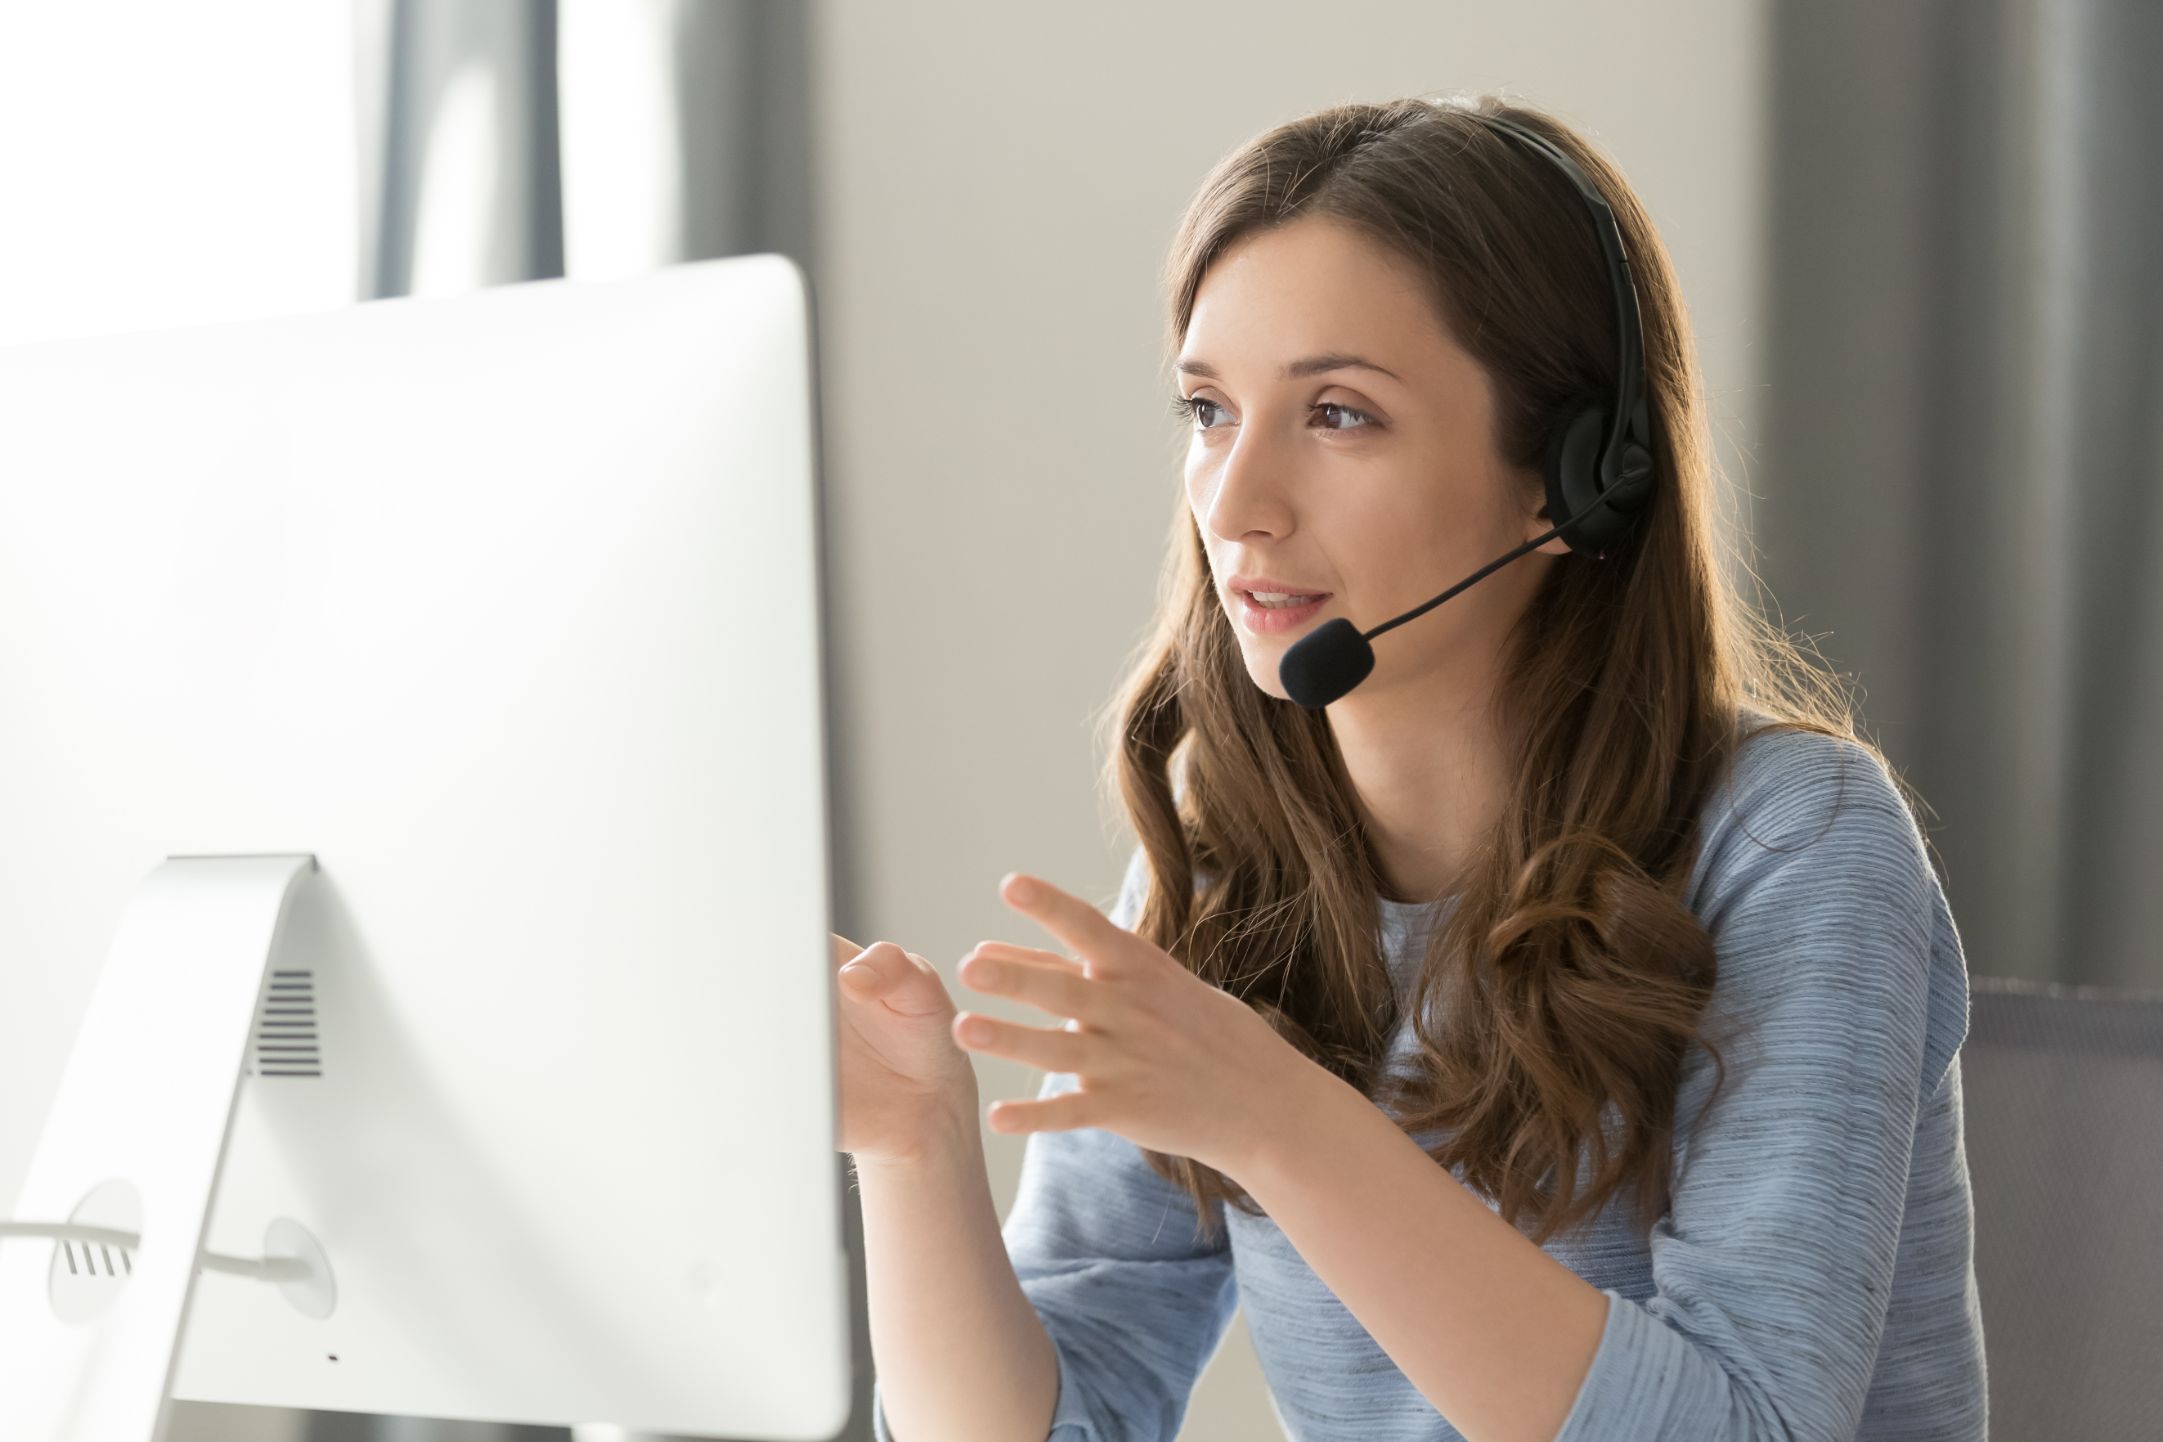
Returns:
point(1311, 365)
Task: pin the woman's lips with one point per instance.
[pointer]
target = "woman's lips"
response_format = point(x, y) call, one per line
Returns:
point(1263, 620)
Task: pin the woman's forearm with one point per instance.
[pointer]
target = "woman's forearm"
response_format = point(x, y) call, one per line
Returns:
point(959, 1352)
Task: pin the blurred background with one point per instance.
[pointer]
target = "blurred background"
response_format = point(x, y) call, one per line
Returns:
point(1918, 243)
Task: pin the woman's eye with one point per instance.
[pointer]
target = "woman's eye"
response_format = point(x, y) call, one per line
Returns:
point(1364, 419)
point(1189, 407)
point(1192, 407)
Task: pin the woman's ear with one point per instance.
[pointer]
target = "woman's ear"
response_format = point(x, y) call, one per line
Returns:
point(1538, 521)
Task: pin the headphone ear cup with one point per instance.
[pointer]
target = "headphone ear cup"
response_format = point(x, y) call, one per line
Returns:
point(1573, 484)
point(1633, 478)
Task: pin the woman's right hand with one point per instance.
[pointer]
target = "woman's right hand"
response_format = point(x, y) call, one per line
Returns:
point(903, 1078)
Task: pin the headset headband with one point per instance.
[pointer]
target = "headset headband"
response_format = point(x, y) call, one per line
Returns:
point(1629, 409)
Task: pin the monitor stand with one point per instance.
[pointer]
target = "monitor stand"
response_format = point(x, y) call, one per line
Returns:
point(131, 1150)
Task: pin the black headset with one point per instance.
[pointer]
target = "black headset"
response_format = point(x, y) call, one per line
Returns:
point(1599, 468)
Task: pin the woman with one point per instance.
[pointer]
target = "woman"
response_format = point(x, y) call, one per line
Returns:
point(1553, 1035)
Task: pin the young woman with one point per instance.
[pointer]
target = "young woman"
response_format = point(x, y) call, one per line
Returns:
point(1549, 1032)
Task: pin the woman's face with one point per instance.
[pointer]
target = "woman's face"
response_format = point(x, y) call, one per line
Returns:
point(1343, 443)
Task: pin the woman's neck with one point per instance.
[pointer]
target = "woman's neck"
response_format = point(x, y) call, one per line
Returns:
point(1429, 782)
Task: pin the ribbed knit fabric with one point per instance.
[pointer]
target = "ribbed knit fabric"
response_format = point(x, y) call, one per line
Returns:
point(1813, 1276)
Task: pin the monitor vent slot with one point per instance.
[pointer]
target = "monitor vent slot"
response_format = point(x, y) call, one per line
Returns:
point(286, 1041)
point(83, 1260)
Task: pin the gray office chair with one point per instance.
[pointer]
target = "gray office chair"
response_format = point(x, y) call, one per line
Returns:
point(2063, 1094)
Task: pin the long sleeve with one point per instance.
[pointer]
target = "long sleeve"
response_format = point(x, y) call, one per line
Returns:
point(1134, 1300)
point(1111, 1257)
point(1134, 1303)
point(1772, 1269)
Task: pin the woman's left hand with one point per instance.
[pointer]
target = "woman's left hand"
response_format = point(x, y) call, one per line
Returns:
point(1162, 1058)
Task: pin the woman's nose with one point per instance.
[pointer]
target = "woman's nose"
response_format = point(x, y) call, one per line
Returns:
point(1248, 493)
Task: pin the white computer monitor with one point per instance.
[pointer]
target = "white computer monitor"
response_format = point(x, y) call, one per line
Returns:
point(422, 708)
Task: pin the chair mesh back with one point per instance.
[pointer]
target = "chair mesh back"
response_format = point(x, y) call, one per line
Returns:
point(2063, 1098)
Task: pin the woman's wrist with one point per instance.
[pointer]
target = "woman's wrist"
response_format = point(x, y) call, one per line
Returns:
point(951, 1134)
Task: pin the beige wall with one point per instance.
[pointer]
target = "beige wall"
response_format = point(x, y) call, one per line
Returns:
point(998, 186)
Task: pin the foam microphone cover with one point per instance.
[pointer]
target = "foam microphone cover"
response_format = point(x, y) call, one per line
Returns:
point(1325, 663)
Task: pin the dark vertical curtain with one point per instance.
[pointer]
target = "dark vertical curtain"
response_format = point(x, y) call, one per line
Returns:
point(1959, 494)
point(409, 53)
point(739, 98)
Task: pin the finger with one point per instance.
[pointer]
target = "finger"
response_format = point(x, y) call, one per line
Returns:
point(1060, 989)
point(1051, 1114)
point(906, 983)
point(1008, 951)
point(1086, 930)
point(846, 951)
point(1049, 1048)
point(871, 969)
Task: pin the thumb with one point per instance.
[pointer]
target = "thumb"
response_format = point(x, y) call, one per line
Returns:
point(906, 982)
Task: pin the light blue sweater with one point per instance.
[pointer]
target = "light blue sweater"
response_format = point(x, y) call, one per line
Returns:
point(1813, 1276)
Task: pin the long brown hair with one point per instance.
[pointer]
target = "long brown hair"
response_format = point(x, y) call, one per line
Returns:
point(1570, 977)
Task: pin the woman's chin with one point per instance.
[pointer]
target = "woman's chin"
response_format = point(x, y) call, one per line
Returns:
point(1262, 664)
